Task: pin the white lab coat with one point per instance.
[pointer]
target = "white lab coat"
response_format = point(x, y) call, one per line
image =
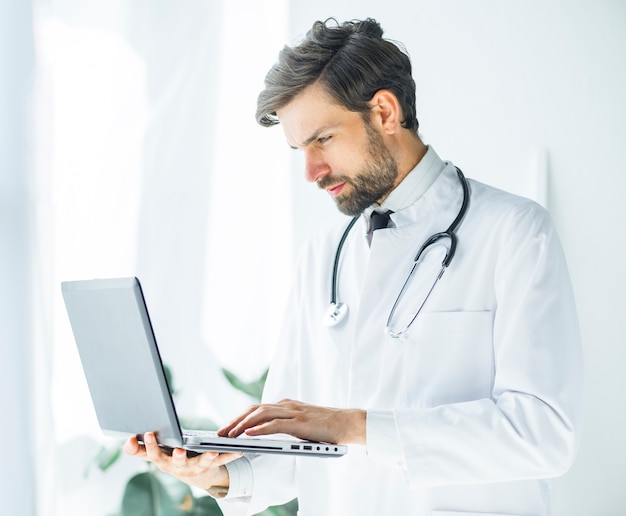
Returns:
point(476, 408)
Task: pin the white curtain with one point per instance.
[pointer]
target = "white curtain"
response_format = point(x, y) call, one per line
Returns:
point(149, 162)
point(16, 302)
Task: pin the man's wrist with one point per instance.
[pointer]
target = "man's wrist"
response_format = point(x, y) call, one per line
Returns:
point(220, 488)
point(218, 491)
point(354, 425)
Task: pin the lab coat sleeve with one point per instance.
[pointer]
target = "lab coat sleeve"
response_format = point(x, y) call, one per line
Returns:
point(241, 479)
point(273, 484)
point(383, 441)
point(530, 426)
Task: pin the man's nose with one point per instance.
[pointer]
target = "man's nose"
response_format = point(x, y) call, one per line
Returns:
point(314, 166)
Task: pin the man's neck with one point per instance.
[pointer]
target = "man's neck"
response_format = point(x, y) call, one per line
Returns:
point(412, 152)
point(415, 183)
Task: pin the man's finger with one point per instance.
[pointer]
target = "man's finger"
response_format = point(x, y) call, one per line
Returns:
point(131, 446)
point(207, 458)
point(152, 447)
point(225, 458)
point(227, 429)
point(260, 418)
point(179, 458)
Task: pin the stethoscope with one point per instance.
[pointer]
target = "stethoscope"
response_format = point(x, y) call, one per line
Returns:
point(337, 311)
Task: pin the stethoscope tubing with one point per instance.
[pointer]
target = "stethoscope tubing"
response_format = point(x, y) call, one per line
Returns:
point(333, 285)
point(338, 310)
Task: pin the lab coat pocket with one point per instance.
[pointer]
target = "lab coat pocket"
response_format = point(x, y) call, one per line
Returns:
point(449, 358)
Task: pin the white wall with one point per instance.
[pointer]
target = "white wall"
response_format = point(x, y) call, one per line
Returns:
point(499, 83)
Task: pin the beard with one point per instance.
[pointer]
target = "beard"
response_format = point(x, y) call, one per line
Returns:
point(375, 180)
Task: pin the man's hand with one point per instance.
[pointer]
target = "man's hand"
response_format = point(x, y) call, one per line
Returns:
point(205, 471)
point(310, 422)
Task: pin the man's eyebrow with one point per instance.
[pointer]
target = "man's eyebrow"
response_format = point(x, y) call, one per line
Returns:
point(311, 138)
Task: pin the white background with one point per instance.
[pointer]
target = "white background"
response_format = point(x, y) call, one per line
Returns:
point(138, 137)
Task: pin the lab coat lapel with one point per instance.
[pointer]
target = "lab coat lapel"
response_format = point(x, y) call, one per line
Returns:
point(375, 358)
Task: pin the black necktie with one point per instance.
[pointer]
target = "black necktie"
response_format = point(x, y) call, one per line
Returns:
point(380, 220)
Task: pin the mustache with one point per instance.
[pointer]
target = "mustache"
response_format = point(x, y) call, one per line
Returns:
point(328, 181)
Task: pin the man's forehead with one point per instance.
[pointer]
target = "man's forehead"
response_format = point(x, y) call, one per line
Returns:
point(308, 115)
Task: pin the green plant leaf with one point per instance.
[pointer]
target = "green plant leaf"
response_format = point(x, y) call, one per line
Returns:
point(287, 509)
point(206, 506)
point(108, 455)
point(253, 389)
point(198, 423)
point(169, 376)
point(155, 494)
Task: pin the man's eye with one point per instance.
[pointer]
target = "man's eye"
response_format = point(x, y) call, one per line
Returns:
point(323, 139)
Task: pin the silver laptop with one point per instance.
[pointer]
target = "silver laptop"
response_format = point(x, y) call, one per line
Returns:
point(126, 378)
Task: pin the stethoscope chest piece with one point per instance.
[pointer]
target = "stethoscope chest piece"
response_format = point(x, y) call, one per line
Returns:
point(335, 313)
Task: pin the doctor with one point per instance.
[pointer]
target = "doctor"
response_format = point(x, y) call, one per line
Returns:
point(458, 390)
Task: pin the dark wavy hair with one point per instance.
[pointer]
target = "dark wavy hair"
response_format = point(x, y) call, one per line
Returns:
point(351, 60)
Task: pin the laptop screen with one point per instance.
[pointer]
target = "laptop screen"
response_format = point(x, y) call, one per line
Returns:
point(120, 358)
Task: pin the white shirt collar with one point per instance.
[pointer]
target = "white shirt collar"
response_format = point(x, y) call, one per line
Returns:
point(413, 186)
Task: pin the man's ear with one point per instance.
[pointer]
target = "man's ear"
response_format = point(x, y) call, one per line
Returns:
point(386, 111)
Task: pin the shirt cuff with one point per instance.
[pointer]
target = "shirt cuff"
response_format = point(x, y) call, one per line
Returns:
point(241, 479)
point(382, 441)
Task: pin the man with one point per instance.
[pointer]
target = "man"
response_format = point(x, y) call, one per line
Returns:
point(458, 392)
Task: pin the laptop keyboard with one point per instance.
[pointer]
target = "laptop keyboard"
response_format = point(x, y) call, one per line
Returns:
point(199, 433)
